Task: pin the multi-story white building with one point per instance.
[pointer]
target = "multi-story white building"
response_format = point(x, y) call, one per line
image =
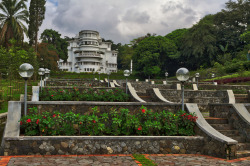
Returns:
point(88, 53)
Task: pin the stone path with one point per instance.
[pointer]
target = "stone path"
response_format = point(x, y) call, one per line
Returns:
point(121, 160)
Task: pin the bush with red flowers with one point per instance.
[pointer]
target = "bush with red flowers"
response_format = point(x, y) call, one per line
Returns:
point(122, 122)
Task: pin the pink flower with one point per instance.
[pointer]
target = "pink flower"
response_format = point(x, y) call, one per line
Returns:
point(94, 121)
point(54, 115)
point(28, 121)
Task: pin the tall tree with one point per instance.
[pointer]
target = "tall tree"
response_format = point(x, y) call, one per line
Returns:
point(54, 38)
point(37, 11)
point(14, 13)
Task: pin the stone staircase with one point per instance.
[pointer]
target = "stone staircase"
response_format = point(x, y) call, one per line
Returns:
point(241, 98)
point(222, 125)
point(145, 96)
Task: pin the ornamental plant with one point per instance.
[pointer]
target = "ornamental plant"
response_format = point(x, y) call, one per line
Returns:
point(115, 122)
point(112, 95)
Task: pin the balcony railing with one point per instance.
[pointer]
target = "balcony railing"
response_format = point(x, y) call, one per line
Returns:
point(88, 55)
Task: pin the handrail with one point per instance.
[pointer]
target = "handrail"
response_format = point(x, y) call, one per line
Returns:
point(206, 127)
point(134, 94)
point(159, 95)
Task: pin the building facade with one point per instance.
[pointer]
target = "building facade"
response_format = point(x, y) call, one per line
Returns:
point(88, 53)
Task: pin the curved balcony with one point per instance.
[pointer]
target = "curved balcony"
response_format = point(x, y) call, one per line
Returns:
point(88, 56)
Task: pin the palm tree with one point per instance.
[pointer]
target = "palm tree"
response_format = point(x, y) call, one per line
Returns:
point(12, 15)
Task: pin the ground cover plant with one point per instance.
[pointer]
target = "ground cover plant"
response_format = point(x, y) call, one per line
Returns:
point(114, 123)
point(112, 95)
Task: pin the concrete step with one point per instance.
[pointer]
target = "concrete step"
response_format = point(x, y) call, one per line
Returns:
point(205, 114)
point(240, 139)
point(229, 133)
point(146, 98)
point(213, 120)
point(243, 153)
point(222, 126)
point(243, 146)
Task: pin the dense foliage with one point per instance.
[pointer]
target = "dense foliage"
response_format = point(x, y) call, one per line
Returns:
point(36, 17)
point(116, 95)
point(143, 122)
point(53, 38)
point(12, 18)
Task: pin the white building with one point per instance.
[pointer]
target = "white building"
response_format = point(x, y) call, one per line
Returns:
point(87, 53)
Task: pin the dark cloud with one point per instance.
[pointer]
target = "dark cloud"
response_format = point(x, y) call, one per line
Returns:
point(134, 16)
point(124, 20)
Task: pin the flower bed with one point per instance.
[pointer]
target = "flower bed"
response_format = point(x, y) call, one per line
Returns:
point(112, 95)
point(115, 123)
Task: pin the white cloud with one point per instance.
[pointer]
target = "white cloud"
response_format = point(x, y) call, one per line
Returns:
point(124, 20)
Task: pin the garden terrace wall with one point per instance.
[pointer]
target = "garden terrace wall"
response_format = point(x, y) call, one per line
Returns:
point(234, 119)
point(143, 86)
point(25, 145)
point(84, 83)
point(81, 89)
point(84, 107)
point(224, 87)
point(192, 96)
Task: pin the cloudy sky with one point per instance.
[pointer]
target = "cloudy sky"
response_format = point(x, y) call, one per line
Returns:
point(125, 20)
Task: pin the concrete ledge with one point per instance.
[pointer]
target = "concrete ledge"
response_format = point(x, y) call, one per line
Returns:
point(35, 93)
point(207, 128)
point(12, 128)
point(242, 112)
point(116, 84)
point(31, 138)
point(195, 87)
point(134, 94)
point(159, 95)
point(231, 98)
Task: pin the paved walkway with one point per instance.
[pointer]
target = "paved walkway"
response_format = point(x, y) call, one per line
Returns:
point(121, 160)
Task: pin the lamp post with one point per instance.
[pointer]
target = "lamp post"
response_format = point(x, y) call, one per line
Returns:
point(182, 75)
point(166, 74)
point(213, 77)
point(108, 73)
point(126, 74)
point(26, 71)
point(41, 72)
point(197, 75)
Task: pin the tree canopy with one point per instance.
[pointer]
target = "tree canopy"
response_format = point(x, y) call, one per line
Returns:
point(36, 17)
point(54, 38)
point(14, 14)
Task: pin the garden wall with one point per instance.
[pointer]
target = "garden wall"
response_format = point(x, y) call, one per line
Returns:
point(83, 107)
point(229, 111)
point(191, 96)
point(103, 145)
point(224, 87)
point(23, 145)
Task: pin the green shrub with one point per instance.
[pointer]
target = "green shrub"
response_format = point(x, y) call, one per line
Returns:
point(112, 95)
point(144, 122)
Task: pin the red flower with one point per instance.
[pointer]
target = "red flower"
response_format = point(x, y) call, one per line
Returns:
point(94, 121)
point(37, 121)
point(44, 117)
point(21, 122)
point(52, 95)
point(89, 84)
point(54, 115)
point(28, 121)
point(143, 110)
point(139, 128)
point(80, 123)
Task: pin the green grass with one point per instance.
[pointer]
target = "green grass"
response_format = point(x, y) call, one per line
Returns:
point(15, 96)
point(143, 160)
